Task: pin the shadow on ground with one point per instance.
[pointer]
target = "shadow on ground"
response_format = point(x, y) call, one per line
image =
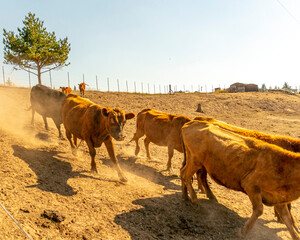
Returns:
point(129, 164)
point(52, 172)
point(169, 217)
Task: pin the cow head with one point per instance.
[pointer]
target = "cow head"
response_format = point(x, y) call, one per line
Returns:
point(116, 119)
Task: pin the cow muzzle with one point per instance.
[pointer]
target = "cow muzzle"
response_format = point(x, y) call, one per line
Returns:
point(119, 137)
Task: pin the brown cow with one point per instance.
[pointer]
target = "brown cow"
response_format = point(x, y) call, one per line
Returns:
point(66, 90)
point(82, 88)
point(94, 124)
point(160, 128)
point(267, 173)
point(287, 143)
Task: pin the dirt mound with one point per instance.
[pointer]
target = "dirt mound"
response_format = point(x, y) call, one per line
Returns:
point(38, 173)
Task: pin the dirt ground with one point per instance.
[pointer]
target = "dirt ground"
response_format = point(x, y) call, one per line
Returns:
point(38, 173)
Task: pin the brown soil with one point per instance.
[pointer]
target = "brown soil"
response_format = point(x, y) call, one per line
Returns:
point(38, 173)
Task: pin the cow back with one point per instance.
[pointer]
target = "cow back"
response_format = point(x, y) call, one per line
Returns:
point(81, 116)
point(47, 101)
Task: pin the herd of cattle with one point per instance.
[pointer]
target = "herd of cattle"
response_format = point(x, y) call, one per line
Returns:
point(265, 167)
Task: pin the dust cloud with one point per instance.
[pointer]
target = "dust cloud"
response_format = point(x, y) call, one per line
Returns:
point(15, 118)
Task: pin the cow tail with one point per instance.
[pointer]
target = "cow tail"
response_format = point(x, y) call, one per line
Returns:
point(184, 152)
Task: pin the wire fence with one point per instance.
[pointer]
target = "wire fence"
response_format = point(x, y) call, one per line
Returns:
point(107, 84)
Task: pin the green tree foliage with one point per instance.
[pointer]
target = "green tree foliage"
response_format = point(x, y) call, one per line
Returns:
point(286, 86)
point(34, 49)
point(263, 87)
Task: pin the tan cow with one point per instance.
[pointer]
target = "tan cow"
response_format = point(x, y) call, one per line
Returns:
point(285, 142)
point(267, 173)
point(66, 90)
point(95, 125)
point(162, 129)
point(82, 88)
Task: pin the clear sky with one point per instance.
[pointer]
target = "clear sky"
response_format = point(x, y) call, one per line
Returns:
point(187, 43)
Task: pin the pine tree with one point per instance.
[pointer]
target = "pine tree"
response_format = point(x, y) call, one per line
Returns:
point(34, 49)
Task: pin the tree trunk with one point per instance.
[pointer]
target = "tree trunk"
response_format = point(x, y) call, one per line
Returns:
point(39, 74)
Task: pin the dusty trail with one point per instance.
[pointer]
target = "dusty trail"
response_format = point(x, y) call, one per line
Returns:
point(38, 172)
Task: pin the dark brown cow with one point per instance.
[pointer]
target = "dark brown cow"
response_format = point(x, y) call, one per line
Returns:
point(265, 172)
point(47, 102)
point(94, 124)
point(160, 128)
point(66, 90)
point(82, 89)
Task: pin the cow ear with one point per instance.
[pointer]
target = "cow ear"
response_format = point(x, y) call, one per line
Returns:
point(129, 116)
point(105, 112)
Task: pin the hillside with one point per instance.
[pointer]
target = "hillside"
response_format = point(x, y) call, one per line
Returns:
point(38, 173)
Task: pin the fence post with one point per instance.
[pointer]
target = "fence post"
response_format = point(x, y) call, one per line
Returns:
point(108, 84)
point(118, 85)
point(50, 78)
point(68, 80)
point(29, 79)
point(142, 88)
point(96, 82)
point(127, 85)
point(3, 75)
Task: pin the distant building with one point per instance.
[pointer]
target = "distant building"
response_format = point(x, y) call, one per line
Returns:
point(243, 87)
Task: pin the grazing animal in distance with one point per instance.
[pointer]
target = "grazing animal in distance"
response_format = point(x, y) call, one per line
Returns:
point(82, 88)
point(95, 125)
point(162, 129)
point(47, 102)
point(66, 90)
point(268, 174)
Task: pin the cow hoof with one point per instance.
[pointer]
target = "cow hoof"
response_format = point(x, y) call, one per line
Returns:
point(123, 179)
point(171, 172)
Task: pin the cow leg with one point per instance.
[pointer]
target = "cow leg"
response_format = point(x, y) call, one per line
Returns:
point(170, 154)
point(200, 182)
point(136, 139)
point(286, 217)
point(57, 124)
point(186, 174)
point(69, 137)
point(92, 152)
point(203, 184)
point(146, 143)
point(46, 124)
point(32, 116)
point(139, 133)
point(289, 206)
point(111, 151)
point(257, 205)
point(75, 140)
